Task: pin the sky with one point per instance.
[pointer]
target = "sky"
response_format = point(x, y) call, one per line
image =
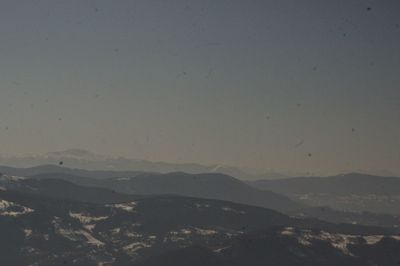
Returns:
point(293, 86)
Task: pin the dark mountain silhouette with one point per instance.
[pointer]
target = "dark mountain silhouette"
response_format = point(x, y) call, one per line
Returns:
point(211, 186)
point(58, 188)
point(97, 191)
point(119, 181)
point(276, 247)
point(55, 231)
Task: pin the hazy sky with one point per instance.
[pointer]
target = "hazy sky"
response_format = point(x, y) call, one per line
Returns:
point(289, 85)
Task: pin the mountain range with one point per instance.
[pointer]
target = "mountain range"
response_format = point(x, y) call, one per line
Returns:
point(52, 215)
point(211, 186)
point(170, 230)
point(83, 159)
point(223, 187)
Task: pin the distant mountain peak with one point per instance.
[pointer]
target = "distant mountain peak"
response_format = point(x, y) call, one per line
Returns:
point(75, 153)
point(84, 159)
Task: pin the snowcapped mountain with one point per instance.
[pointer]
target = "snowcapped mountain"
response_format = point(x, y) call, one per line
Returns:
point(83, 159)
point(167, 230)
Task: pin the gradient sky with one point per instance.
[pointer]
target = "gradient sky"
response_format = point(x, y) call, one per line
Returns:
point(260, 84)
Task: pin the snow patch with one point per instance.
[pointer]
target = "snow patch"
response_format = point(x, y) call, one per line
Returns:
point(12, 178)
point(123, 179)
point(132, 248)
point(373, 239)
point(199, 205)
point(115, 231)
point(84, 218)
point(132, 234)
point(90, 227)
point(27, 232)
point(128, 207)
point(91, 239)
point(397, 238)
point(205, 232)
point(8, 208)
point(219, 250)
point(75, 235)
point(338, 241)
point(186, 231)
point(174, 236)
point(229, 209)
point(288, 231)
